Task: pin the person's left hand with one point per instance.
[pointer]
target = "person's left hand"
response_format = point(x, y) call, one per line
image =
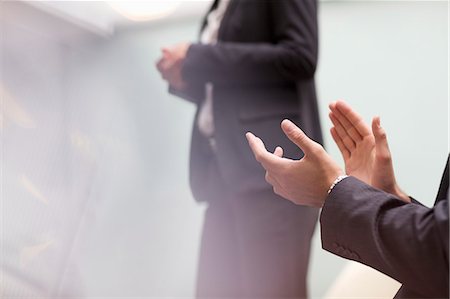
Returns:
point(171, 63)
point(305, 181)
point(366, 152)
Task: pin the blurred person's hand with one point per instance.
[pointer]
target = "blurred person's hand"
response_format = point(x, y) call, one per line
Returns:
point(171, 63)
point(366, 152)
point(305, 181)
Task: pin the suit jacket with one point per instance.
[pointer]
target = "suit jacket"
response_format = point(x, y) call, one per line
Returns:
point(408, 242)
point(263, 70)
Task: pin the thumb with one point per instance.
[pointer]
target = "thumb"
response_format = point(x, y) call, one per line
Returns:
point(166, 52)
point(298, 137)
point(278, 151)
point(381, 143)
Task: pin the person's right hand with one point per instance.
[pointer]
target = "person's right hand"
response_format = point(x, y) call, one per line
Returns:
point(304, 181)
point(366, 152)
point(171, 63)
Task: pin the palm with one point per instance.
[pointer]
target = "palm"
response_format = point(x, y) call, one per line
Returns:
point(361, 161)
point(383, 176)
point(366, 152)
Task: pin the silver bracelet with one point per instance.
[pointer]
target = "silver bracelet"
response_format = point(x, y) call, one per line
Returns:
point(336, 181)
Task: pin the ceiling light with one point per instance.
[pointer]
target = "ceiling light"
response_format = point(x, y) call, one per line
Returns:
point(144, 10)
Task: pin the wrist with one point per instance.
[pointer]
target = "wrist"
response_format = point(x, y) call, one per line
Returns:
point(336, 181)
point(395, 190)
point(400, 194)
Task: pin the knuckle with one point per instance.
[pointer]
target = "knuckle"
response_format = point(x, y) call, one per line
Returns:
point(276, 190)
point(299, 136)
point(382, 135)
point(316, 149)
point(267, 177)
point(384, 157)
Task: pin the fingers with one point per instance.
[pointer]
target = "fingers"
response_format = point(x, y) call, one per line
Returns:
point(268, 160)
point(342, 148)
point(349, 128)
point(271, 162)
point(160, 64)
point(381, 143)
point(257, 146)
point(278, 151)
point(351, 116)
point(163, 62)
point(347, 140)
point(166, 61)
point(171, 72)
point(167, 53)
point(297, 136)
point(163, 66)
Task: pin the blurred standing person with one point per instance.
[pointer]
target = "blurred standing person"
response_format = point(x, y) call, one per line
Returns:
point(253, 67)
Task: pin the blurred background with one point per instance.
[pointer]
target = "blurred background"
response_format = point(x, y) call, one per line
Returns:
point(95, 199)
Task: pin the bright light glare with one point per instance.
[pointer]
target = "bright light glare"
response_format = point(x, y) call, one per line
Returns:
point(12, 111)
point(144, 10)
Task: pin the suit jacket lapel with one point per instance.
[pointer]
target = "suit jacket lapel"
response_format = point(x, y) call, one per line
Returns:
point(224, 24)
point(443, 187)
point(205, 18)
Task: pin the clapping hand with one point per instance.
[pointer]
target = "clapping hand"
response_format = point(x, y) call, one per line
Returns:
point(305, 181)
point(366, 155)
point(171, 63)
point(366, 152)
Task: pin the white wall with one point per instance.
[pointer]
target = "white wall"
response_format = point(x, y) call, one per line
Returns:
point(391, 59)
point(388, 58)
point(114, 144)
point(44, 177)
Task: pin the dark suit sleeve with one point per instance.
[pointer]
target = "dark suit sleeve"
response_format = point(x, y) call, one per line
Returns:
point(408, 242)
point(292, 56)
point(193, 93)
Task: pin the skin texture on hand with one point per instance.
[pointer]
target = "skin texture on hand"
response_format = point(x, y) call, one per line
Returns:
point(366, 152)
point(171, 64)
point(305, 181)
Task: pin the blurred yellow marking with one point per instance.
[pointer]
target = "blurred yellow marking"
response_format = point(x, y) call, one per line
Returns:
point(32, 189)
point(2, 118)
point(29, 253)
point(11, 111)
point(82, 143)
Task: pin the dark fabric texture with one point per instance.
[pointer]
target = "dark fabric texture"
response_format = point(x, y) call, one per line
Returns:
point(408, 242)
point(263, 70)
point(254, 244)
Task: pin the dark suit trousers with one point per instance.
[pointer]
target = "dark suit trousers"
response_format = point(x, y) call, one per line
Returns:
point(255, 246)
